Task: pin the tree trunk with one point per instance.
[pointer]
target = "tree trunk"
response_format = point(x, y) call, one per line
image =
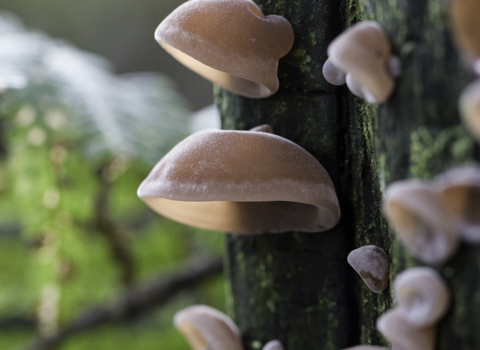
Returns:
point(297, 287)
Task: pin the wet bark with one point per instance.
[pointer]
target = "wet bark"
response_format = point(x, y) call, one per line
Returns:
point(298, 287)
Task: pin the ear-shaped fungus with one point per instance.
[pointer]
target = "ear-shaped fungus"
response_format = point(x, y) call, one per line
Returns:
point(402, 335)
point(364, 52)
point(273, 345)
point(460, 191)
point(464, 18)
point(470, 108)
point(420, 220)
point(422, 296)
point(372, 264)
point(229, 42)
point(207, 328)
point(242, 182)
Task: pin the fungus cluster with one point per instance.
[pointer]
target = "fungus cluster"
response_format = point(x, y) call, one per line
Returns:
point(229, 42)
point(431, 218)
point(422, 299)
point(361, 57)
point(207, 328)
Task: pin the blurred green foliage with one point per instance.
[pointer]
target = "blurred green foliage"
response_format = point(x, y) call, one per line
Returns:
point(76, 142)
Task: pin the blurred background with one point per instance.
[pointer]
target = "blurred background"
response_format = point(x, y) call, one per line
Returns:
point(89, 102)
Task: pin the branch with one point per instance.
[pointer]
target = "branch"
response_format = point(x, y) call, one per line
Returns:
point(136, 300)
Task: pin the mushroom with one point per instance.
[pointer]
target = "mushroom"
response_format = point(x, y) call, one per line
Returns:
point(207, 328)
point(372, 264)
point(422, 296)
point(332, 74)
point(402, 335)
point(229, 42)
point(460, 191)
point(464, 19)
point(242, 182)
point(364, 52)
point(421, 221)
point(470, 108)
point(263, 128)
point(366, 347)
point(273, 345)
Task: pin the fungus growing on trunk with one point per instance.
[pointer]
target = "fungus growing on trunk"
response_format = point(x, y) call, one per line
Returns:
point(242, 182)
point(422, 296)
point(372, 264)
point(460, 191)
point(229, 42)
point(207, 328)
point(402, 335)
point(421, 221)
point(364, 52)
point(273, 345)
point(469, 106)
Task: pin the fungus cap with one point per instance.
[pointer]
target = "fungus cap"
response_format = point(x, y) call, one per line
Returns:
point(367, 347)
point(464, 19)
point(273, 345)
point(364, 51)
point(460, 191)
point(242, 182)
point(421, 221)
point(229, 42)
point(208, 328)
point(372, 264)
point(402, 335)
point(422, 296)
point(469, 105)
point(332, 74)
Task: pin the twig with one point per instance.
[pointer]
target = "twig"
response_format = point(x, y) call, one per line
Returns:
point(137, 300)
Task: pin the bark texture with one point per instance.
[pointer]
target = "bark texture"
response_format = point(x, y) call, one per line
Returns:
point(298, 287)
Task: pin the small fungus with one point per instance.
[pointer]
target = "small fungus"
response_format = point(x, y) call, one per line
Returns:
point(273, 345)
point(229, 42)
point(364, 52)
point(367, 347)
point(242, 182)
point(464, 19)
point(469, 106)
point(460, 190)
point(402, 335)
point(372, 264)
point(422, 296)
point(332, 74)
point(421, 221)
point(207, 328)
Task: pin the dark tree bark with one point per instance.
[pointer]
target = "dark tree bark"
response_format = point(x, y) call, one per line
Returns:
point(297, 287)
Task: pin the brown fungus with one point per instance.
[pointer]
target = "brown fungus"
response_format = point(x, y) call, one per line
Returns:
point(242, 182)
point(364, 52)
point(229, 42)
point(464, 19)
point(372, 264)
point(421, 221)
point(207, 328)
point(460, 191)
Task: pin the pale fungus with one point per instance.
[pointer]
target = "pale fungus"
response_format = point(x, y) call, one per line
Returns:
point(364, 52)
point(367, 347)
point(460, 191)
point(469, 106)
point(242, 182)
point(332, 74)
point(273, 345)
point(372, 264)
point(420, 220)
point(207, 328)
point(403, 335)
point(229, 42)
point(464, 19)
point(422, 296)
